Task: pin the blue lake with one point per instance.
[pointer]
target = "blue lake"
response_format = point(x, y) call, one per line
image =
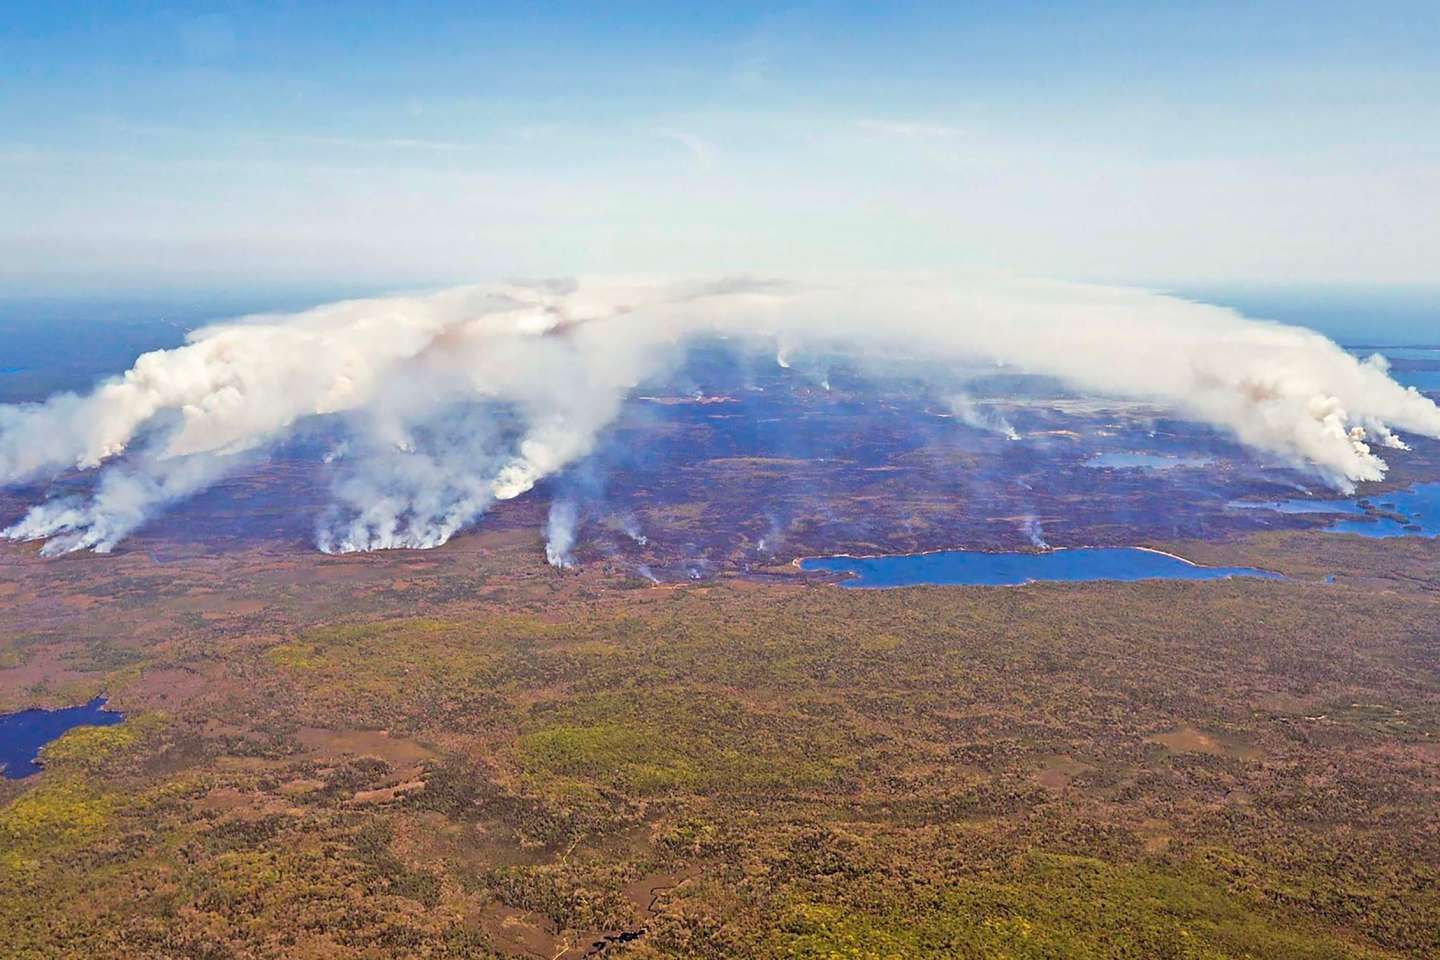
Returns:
point(1419, 506)
point(23, 734)
point(981, 568)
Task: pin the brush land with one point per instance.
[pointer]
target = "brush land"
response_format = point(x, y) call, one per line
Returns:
point(463, 753)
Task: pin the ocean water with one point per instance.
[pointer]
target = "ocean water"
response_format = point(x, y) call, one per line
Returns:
point(1426, 381)
point(1417, 367)
point(23, 734)
point(981, 568)
point(1364, 317)
point(70, 342)
point(1423, 354)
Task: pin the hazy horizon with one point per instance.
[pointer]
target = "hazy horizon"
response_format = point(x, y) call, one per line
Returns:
point(1120, 142)
point(1352, 314)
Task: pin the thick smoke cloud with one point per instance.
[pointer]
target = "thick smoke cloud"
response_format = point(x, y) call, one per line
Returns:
point(460, 398)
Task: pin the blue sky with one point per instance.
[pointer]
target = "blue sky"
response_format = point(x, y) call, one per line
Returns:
point(148, 146)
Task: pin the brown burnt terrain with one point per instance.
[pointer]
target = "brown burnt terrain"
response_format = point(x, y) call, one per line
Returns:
point(465, 753)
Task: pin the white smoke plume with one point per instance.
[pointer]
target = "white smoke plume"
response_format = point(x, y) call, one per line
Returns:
point(1034, 531)
point(560, 534)
point(125, 497)
point(774, 537)
point(463, 397)
point(413, 484)
point(783, 350)
point(980, 416)
point(631, 526)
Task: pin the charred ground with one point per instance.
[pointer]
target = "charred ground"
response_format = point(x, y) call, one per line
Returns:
point(731, 463)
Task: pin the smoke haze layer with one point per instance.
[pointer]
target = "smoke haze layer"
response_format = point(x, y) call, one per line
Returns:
point(456, 399)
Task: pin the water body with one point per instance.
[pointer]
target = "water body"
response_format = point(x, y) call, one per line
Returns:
point(1369, 317)
point(1426, 381)
point(23, 734)
point(1134, 460)
point(1403, 353)
point(1326, 507)
point(982, 568)
point(1400, 513)
point(1421, 372)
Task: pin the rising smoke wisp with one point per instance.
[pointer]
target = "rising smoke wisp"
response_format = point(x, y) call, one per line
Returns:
point(560, 528)
point(967, 411)
point(467, 396)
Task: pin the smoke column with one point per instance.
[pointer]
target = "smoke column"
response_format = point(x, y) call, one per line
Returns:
point(631, 526)
point(456, 399)
point(560, 534)
point(1034, 532)
point(972, 414)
